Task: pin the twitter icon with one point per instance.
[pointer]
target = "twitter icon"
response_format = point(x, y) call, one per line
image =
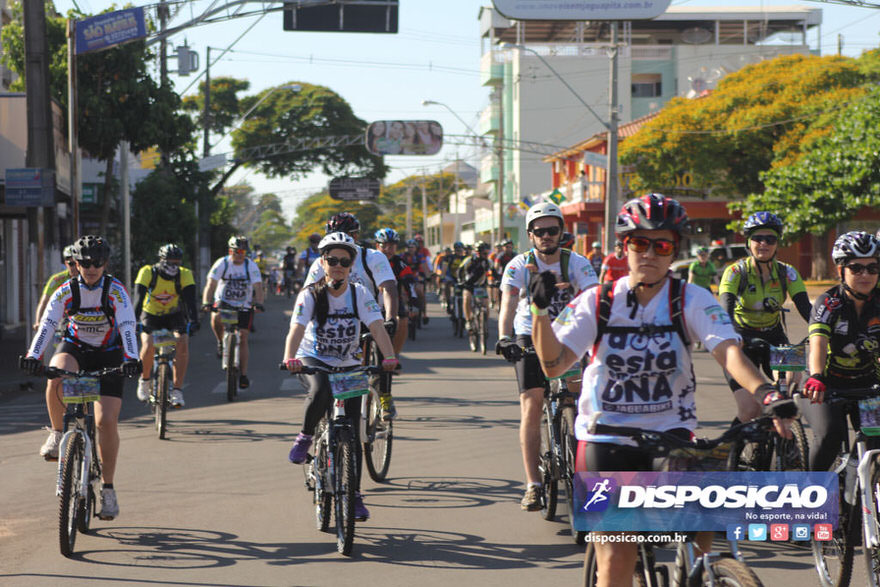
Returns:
point(757, 531)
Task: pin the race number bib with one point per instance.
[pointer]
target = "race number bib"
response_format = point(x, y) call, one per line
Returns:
point(347, 385)
point(81, 390)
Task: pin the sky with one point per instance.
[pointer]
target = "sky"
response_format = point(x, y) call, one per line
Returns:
point(434, 56)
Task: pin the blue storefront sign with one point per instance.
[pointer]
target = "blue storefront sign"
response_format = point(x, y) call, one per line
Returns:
point(30, 186)
point(107, 30)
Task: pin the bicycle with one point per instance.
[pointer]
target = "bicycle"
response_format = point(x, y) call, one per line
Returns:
point(164, 344)
point(457, 315)
point(79, 468)
point(478, 335)
point(330, 473)
point(773, 452)
point(231, 356)
point(676, 453)
point(859, 471)
point(376, 434)
point(415, 317)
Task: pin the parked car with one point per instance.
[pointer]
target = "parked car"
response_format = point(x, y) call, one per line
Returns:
point(720, 255)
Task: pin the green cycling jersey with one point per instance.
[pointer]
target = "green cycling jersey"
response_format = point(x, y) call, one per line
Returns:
point(759, 304)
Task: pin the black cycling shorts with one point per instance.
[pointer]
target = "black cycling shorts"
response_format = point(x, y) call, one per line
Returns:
point(90, 358)
point(173, 322)
point(605, 456)
point(528, 369)
point(775, 336)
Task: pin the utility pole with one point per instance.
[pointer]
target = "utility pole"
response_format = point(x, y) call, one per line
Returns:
point(40, 147)
point(126, 212)
point(499, 99)
point(202, 229)
point(424, 208)
point(206, 115)
point(409, 191)
point(611, 187)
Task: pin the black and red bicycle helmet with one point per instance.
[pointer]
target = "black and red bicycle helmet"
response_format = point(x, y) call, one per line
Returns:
point(652, 212)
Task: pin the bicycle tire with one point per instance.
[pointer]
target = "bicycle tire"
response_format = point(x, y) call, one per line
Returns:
point(484, 331)
point(414, 316)
point(162, 400)
point(472, 335)
point(231, 371)
point(751, 456)
point(322, 497)
point(872, 554)
point(345, 492)
point(380, 435)
point(793, 454)
point(69, 506)
point(86, 511)
point(546, 466)
point(730, 572)
point(591, 570)
point(568, 446)
point(841, 547)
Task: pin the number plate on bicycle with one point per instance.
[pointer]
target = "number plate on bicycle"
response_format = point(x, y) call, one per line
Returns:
point(869, 416)
point(80, 390)
point(480, 292)
point(573, 372)
point(788, 357)
point(346, 385)
point(163, 339)
point(228, 316)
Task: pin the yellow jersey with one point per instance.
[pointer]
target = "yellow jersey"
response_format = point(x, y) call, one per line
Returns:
point(163, 299)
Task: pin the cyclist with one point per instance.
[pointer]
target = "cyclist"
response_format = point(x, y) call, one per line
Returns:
point(614, 266)
point(702, 272)
point(234, 281)
point(56, 281)
point(452, 263)
point(309, 255)
point(567, 240)
point(595, 257)
point(752, 292)
point(544, 224)
point(263, 265)
point(346, 304)
point(418, 262)
point(499, 264)
point(387, 240)
point(159, 291)
point(473, 272)
point(844, 342)
point(100, 334)
point(290, 266)
point(440, 266)
point(651, 227)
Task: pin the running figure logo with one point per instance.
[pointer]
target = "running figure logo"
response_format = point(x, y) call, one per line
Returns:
point(599, 493)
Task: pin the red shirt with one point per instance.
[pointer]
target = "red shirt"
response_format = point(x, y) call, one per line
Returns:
point(615, 268)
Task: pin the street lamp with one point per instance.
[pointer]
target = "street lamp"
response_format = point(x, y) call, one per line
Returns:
point(296, 88)
point(453, 112)
point(610, 126)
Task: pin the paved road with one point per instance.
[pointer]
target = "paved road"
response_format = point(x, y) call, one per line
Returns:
point(218, 503)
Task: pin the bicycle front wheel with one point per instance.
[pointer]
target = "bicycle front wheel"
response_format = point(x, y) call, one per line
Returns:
point(70, 506)
point(730, 573)
point(547, 466)
point(231, 370)
point(568, 450)
point(345, 491)
point(483, 325)
point(834, 558)
point(793, 454)
point(872, 553)
point(323, 490)
point(379, 433)
point(161, 399)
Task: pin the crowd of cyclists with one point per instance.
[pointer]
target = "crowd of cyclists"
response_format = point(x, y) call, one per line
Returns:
point(556, 309)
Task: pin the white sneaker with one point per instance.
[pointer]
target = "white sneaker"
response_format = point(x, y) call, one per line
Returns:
point(143, 391)
point(49, 450)
point(177, 398)
point(109, 506)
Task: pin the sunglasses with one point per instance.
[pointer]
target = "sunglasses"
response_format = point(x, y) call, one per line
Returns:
point(764, 238)
point(334, 261)
point(239, 251)
point(857, 268)
point(70, 263)
point(640, 244)
point(549, 231)
point(88, 263)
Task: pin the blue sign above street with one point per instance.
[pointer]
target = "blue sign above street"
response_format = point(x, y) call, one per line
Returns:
point(107, 30)
point(30, 187)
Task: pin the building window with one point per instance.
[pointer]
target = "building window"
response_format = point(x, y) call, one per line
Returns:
point(647, 85)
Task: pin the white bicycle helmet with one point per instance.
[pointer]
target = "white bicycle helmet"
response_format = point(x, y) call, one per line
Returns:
point(856, 244)
point(336, 240)
point(543, 210)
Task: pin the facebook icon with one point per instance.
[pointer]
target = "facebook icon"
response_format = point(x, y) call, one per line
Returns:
point(736, 532)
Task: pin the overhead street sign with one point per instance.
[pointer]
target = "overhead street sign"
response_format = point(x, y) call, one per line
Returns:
point(344, 16)
point(107, 30)
point(30, 187)
point(596, 159)
point(581, 9)
point(354, 188)
point(404, 137)
point(212, 162)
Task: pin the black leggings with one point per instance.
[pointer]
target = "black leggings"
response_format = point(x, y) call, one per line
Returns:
point(320, 399)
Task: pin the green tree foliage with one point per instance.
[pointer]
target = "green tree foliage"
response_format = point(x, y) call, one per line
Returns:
point(271, 231)
point(313, 212)
point(761, 116)
point(225, 105)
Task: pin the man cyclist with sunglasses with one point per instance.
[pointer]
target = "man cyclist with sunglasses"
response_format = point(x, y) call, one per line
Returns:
point(634, 380)
point(844, 342)
point(752, 292)
point(544, 223)
point(234, 281)
point(100, 334)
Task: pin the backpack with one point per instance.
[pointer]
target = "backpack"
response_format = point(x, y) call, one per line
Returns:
point(226, 268)
point(781, 273)
point(564, 256)
point(676, 313)
point(76, 298)
point(155, 278)
point(368, 271)
point(354, 306)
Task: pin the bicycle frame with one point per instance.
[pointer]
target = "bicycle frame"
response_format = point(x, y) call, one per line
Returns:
point(869, 505)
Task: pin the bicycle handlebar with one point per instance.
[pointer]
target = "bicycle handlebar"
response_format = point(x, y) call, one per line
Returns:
point(307, 370)
point(55, 372)
point(851, 395)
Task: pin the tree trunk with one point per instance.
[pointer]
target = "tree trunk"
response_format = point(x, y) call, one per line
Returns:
point(105, 207)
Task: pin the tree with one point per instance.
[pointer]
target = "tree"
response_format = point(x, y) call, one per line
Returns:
point(838, 177)
point(225, 105)
point(761, 116)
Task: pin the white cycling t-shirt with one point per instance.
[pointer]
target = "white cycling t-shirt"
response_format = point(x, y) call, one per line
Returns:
point(337, 342)
point(377, 261)
point(235, 283)
point(637, 380)
point(580, 273)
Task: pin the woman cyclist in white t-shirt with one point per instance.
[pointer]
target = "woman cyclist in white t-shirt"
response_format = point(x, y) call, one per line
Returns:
point(625, 364)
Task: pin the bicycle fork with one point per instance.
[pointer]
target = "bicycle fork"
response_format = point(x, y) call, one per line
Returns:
point(85, 466)
point(869, 498)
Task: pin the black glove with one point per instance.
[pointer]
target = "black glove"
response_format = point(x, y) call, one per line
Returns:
point(542, 288)
point(30, 365)
point(391, 327)
point(193, 327)
point(131, 368)
point(777, 405)
point(508, 348)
